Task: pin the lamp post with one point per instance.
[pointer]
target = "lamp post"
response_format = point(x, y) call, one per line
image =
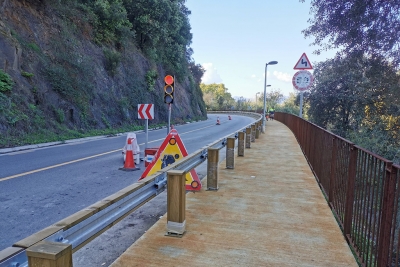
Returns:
point(265, 89)
point(256, 99)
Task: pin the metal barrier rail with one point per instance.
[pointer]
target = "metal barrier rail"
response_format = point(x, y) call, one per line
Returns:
point(362, 189)
point(85, 225)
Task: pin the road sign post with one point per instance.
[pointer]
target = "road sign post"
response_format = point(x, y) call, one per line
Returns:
point(146, 111)
point(302, 80)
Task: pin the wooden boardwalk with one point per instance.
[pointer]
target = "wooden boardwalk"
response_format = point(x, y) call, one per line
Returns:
point(268, 211)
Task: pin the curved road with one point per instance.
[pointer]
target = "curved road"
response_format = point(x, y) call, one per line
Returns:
point(39, 187)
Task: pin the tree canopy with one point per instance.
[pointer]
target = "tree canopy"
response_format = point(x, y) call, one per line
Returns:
point(217, 97)
point(358, 98)
point(356, 26)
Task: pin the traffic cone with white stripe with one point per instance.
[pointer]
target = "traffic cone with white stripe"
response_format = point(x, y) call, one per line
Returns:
point(129, 164)
point(218, 123)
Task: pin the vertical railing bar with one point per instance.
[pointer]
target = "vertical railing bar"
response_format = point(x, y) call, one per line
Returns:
point(339, 177)
point(387, 215)
point(381, 188)
point(355, 231)
point(396, 201)
point(367, 207)
point(372, 211)
point(350, 190)
point(358, 216)
point(344, 178)
point(363, 205)
point(377, 180)
point(333, 172)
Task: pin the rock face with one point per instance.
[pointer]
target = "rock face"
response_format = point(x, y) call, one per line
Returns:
point(64, 81)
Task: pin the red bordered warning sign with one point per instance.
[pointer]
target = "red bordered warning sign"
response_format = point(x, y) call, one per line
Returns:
point(146, 111)
point(171, 150)
point(303, 63)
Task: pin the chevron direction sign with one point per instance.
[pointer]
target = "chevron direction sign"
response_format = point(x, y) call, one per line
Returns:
point(146, 111)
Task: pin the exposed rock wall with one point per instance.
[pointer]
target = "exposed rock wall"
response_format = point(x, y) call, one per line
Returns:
point(61, 79)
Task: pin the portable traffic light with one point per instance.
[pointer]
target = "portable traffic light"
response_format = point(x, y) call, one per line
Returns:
point(169, 89)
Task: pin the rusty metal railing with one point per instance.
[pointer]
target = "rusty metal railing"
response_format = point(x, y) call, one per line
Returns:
point(362, 189)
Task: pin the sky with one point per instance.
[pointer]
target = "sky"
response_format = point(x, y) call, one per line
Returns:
point(233, 40)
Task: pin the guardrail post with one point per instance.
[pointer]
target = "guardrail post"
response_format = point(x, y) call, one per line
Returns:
point(257, 130)
point(248, 137)
point(212, 168)
point(176, 203)
point(351, 178)
point(52, 254)
point(230, 153)
point(253, 133)
point(241, 144)
point(387, 215)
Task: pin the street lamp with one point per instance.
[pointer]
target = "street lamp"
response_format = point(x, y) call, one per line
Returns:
point(265, 89)
point(256, 99)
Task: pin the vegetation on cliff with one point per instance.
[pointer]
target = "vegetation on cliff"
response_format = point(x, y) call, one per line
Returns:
point(70, 68)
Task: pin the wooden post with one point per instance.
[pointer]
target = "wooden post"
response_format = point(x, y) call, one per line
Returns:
point(241, 144)
point(176, 203)
point(257, 130)
point(248, 137)
point(230, 153)
point(253, 133)
point(212, 168)
point(51, 254)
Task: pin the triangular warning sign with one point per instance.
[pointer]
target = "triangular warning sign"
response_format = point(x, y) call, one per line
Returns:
point(171, 150)
point(303, 63)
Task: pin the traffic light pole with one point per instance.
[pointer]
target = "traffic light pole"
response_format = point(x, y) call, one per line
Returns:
point(169, 119)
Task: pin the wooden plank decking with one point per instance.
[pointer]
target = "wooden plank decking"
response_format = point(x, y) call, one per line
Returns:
point(268, 211)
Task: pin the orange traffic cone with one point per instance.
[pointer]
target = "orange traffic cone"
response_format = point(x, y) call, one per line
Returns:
point(229, 117)
point(129, 164)
point(218, 121)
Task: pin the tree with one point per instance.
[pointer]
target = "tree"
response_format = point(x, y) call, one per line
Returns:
point(216, 96)
point(162, 31)
point(290, 105)
point(272, 99)
point(358, 97)
point(356, 26)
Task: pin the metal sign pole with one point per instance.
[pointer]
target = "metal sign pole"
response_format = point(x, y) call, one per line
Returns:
point(147, 132)
point(301, 105)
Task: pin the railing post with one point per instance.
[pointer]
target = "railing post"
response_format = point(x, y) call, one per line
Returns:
point(52, 254)
point(333, 172)
point(248, 137)
point(212, 168)
point(387, 215)
point(241, 144)
point(351, 178)
point(176, 203)
point(230, 153)
point(257, 130)
point(253, 133)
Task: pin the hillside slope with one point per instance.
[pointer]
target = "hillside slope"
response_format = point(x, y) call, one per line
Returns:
point(66, 82)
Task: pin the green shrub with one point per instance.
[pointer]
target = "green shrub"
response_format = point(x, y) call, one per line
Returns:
point(151, 77)
point(34, 47)
point(6, 82)
point(112, 60)
point(27, 74)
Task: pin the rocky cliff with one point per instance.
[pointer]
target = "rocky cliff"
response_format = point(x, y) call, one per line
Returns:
point(63, 81)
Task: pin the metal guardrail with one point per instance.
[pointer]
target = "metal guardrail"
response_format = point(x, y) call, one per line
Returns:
point(85, 225)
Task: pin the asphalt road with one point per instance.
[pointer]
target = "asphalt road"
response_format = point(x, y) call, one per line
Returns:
point(39, 187)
